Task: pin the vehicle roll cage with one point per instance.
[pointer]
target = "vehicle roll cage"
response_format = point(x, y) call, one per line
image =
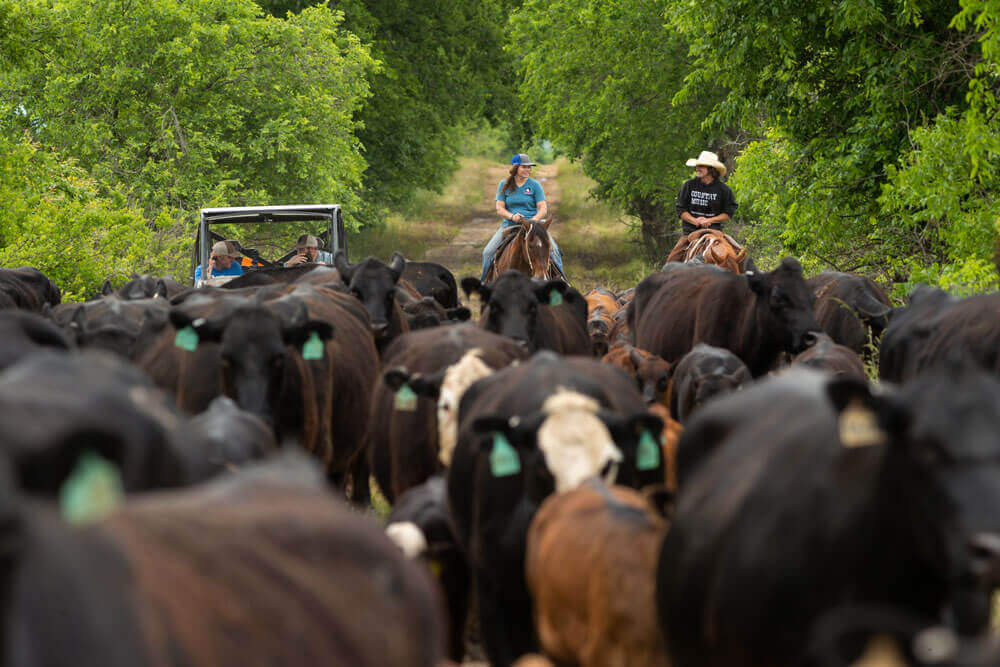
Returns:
point(332, 239)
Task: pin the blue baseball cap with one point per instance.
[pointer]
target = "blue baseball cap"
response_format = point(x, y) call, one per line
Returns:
point(522, 159)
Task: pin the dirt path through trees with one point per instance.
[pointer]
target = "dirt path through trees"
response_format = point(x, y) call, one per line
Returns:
point(463, 256)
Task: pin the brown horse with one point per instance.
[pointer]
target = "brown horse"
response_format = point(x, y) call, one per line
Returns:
point(712, 247)
point(526, 249)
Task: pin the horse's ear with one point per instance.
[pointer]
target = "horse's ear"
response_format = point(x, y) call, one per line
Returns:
point(545, 223)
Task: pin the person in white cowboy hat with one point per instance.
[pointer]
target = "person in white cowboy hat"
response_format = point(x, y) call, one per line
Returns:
point(705, 201)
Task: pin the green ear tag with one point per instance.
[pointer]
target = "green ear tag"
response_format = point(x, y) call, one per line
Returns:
point(312, 349)
point(504, 460)
point(187, 339)
point(555, 298)
point(92, 490)
point(406, 399)
point(648, 455)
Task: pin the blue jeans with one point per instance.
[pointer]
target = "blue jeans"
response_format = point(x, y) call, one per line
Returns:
point(490, 251)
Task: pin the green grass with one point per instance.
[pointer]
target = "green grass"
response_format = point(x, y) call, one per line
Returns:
point(599, 243)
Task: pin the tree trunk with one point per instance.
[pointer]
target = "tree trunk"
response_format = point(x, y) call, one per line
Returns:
point(660, 227)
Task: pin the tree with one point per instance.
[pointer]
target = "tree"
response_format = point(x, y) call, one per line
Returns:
point(181, 104)
point(599, 80)
point(852, 94)
point(52, 218)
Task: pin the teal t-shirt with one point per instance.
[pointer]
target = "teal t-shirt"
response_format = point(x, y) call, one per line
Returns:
point(523, 200)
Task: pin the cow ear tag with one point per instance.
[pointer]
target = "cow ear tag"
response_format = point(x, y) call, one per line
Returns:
point(92, 490)
point(504, 460)
point(858, 427)
point(406, 399)
point(187, 339)
point(312, 349)
point(648, 455)
point(555, 298)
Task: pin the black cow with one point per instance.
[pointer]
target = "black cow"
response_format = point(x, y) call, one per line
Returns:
point(525, 432)
point(700, 375)
point(225, 437)
point(111, 323)
point(432, 280)
point(409, 442)
point(908, 330)
point(22, 333)
point(427, 313)
point(545, 315)
point(145, 286)
point(374, 284)
point(421, 525)
point(304, 362)
point(56, 407)
point(258, 567)
point(812, 493)
point(27, 288)
point(936, 328)
point(757, 316)
point(852, 309)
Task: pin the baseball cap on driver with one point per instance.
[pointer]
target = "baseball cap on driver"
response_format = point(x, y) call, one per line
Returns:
point(522, 159)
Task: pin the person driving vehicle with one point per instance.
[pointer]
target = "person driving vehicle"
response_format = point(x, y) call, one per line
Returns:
point(220, 263)
point(307, 250)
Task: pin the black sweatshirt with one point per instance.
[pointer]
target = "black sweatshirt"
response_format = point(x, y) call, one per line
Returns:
point(705, 201)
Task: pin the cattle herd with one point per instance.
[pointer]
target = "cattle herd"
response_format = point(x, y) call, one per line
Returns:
point(701, 470)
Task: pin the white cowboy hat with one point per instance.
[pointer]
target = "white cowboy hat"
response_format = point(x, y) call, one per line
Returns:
point(707, 159)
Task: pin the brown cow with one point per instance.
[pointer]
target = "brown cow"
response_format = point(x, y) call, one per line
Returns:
point(651, 372)
point(601, 308)
point(410, 441)
point(825, 355)
point(260, 567)
point(757, 316)
point(671, 436)
point(591, 566)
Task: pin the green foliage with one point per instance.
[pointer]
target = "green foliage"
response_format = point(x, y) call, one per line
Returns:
point(442, 66)
point(52, 218)
point(599, 80)
point(183, 104)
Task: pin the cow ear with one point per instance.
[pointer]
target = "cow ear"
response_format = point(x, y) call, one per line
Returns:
point(473, 286)
point(106, 288)
point(544, 292)
point(297, 333)
point(207, 330)
point(396, 265)
point(395, 378)
point(459, 314)
point(494, 424)
point(160, 291)
point(343, 267)
point(635, 357)
point(865, 418)
point(757, 282)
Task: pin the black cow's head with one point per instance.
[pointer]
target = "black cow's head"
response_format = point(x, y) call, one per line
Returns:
point(252, 340)
point(640, 439)
point(374, 284)
point(510, 304)
point(509, 444)
point(789, 302)
point(940, 478)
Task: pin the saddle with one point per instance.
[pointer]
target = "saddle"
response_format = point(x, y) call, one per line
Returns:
point(713, 247)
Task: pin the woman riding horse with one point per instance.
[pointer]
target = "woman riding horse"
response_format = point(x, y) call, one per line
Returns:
point(519, 198)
